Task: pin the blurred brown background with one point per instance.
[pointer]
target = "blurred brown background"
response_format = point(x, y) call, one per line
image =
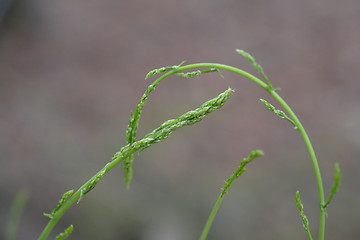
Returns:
point(71, 72)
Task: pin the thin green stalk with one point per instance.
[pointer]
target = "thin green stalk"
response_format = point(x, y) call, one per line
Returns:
point(211, 218)
point(253, 154)
point(289, 111)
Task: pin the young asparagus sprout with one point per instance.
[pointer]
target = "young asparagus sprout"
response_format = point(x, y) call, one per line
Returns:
point(335, 187)
point(278, 113)
point(66, 233)
point(162, 70)
point(305, 221)
point(63, 199)
point(256, 66)
point(198, 73)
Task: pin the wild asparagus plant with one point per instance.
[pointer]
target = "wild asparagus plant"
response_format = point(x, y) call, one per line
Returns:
point(126, 153)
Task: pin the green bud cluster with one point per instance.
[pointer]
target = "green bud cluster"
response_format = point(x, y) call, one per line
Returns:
point(335, 187)
point(256, 66)
point(278, 113)
point(304, 219)
point(198, 73)
point(162, 70)
point(252, 155)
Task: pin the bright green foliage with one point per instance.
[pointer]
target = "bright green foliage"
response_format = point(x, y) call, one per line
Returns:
point(335, 187)
point(256, 66)
point(125, 154)
point(300, 207)
point(278, 113)
point(63, 199)
point(253, 154)
point(66, 233)
point(198, 73)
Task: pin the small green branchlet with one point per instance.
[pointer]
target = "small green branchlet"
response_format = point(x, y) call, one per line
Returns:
point(66, 233)
point(90, 186)
point(256, 66)
point(63, 199)
point(304, 219)
point(335, 187)
point(278, 113)
point(198, 73)
point(162, 70)
point(253, 154)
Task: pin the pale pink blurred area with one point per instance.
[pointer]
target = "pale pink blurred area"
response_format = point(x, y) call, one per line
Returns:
point(71, 72)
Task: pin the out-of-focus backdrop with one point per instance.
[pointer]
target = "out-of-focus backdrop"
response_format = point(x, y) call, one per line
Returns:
point(71, 72)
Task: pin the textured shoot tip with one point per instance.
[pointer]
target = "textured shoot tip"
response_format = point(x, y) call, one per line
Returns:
point(304, 219)
point(277, 112)
point(256, 66)
point(268, 105)
point(63, 199)
point(241, 169)
point(248, 57)
point(298, 201)
point(256, 153)
point(66, 233)
point(337, 178)
point(162, 70)
point(335, 187)
point(198, 73)
point(90, 185)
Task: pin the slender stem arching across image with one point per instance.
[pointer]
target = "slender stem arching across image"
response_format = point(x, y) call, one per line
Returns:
point(126, 153)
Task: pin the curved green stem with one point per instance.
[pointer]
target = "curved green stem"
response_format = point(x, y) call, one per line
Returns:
point(286, 107)
point(211, 218)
